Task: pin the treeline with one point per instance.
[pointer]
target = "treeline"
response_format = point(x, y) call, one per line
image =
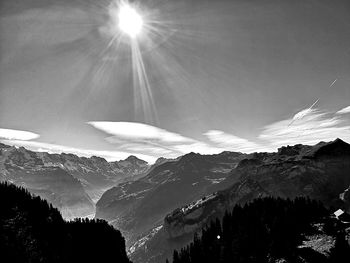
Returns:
point(265, 230)
point(31, 230)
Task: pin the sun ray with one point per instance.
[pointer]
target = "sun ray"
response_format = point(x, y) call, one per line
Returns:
point(140, 37)
point(143, 95)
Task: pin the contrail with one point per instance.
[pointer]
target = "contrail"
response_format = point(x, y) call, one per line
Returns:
point(333, 83)
point(303, 113)
point(314, 104)
point(308, 110)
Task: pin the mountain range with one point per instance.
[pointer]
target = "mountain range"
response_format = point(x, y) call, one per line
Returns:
point(71, 183)
point(321, 172)
point(159, 207)
point(138, 206)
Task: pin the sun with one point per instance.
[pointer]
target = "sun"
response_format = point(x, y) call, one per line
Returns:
point(130, 21)
point(132, 30)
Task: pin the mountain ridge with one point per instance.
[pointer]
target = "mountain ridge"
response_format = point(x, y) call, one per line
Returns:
point(256, 174)
point(89, 176)
point(135, 207)
point(320, 171)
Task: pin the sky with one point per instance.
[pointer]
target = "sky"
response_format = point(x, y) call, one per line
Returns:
point(202, 76)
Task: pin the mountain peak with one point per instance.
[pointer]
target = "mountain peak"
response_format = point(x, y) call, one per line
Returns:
point(132, 158)
point(338, 140)
point(99, 159)
point(334, 148)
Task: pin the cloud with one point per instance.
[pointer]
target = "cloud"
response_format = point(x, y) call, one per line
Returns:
point(17, 135)
point(344, 110)
point(232, 142)
point(139, 131)
point(309, 127)
point(301, 114)
point(147, 142)
point(55, 148)
point(314, 127)
point(151, 140)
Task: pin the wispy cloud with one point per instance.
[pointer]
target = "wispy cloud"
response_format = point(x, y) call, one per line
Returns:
point(147, 142)
point(151, 140)
point(312, 128)
point(301, 114)
point(139, 131)
point(232, 142)
point(344, 110)
point(17, 135)
point(309, 126)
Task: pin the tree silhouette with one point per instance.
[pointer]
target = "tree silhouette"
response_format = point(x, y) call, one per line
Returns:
point(31, 230)
point(340, 253)
point(264, 230)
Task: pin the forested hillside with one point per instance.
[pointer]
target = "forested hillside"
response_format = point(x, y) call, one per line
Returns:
point(269, 230)
point(31, 230)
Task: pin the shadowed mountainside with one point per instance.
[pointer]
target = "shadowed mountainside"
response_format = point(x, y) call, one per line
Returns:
point(31, 230)
point(270, 230)
point(138, 206)
point(320, 172)
point(69, 182)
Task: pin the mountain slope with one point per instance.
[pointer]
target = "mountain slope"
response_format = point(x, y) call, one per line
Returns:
point(69, 182)
point(270, 230)
point(138, 206)
point(321, 172)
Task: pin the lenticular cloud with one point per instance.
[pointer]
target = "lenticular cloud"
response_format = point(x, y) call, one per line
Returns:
point(17, 135)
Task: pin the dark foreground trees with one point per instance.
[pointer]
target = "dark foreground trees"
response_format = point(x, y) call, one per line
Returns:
point(31, 230)
point(265, 230)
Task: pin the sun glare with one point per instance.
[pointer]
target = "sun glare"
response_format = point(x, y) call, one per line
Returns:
point(134, 31)
point(129, 21)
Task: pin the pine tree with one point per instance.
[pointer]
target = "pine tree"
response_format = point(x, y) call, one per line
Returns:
point(340, 253)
